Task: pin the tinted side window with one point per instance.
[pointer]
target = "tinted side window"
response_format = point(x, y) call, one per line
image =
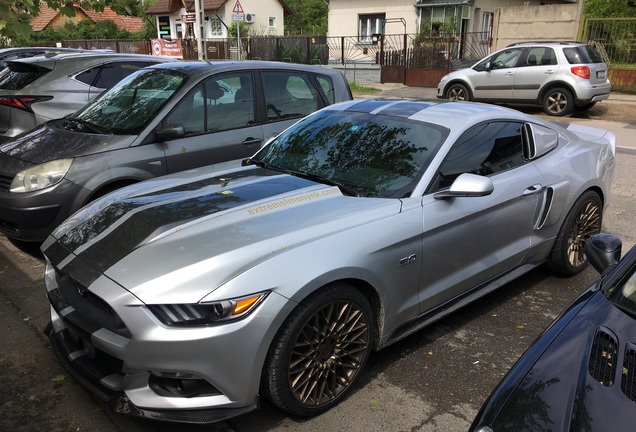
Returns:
point(326, 83)
point(89, 75)
point(486, 149)
point(288, 94)
point(112, 73)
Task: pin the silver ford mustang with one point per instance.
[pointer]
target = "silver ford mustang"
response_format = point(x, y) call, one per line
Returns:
point(185, 297)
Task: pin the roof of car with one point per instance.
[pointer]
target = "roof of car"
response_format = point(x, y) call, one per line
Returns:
point(546, 43)
point(197, 67)
point(69, 56)
point(436, 112)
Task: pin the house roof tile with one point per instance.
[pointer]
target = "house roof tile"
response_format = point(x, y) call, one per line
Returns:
point(47, 14)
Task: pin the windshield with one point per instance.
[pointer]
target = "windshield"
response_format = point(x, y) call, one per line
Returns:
point(128, 107)
point(372, 154)
point(623, 294)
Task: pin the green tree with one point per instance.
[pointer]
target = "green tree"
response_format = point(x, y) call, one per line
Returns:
point(15, 14)
point(609, 8)
point(309, 18)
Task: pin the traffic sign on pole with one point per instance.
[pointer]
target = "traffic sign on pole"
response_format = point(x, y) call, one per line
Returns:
point(238, 9)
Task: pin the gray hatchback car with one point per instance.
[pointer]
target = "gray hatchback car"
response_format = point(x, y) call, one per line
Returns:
point(37, 89)
point(559, 76)
point(159, 120)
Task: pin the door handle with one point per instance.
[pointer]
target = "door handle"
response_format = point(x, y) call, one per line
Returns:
point(251, 141)
point(549, 72)
point(510, 74)
point(530, 190)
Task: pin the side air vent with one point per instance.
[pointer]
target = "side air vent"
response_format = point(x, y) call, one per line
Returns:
point(628, 382)
point(602, 366)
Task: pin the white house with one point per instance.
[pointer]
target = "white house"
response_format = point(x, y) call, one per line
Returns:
point(364, 18)
point(175, 18)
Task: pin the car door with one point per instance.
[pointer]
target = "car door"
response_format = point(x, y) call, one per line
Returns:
point(496, 79)
point(467, 241)
point(537, 68)
point(218, 117)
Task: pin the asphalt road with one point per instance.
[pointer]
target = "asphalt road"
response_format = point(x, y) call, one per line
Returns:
point(435, 380)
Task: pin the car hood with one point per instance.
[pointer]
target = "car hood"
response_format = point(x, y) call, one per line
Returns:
point(583, 381)
point(49, 142)
point(179, 238)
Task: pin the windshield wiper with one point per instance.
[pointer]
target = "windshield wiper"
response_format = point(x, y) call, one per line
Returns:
point(309, 176)
point(83, 125)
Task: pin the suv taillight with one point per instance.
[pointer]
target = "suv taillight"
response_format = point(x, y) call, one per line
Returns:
point(22, 102)
point(581, 71)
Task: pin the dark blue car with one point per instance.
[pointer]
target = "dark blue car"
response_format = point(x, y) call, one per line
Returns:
point(580, 374)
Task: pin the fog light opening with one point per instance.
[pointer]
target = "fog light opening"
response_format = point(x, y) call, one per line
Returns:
point(181, 385)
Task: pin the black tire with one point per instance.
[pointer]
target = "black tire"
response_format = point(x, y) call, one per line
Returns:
point(567, 257)
point(319, 351)
point(457, 92)
point(584, 107)
point(557, 102)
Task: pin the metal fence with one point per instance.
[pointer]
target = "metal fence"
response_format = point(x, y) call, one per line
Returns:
point(615, 38)
point(409, 50)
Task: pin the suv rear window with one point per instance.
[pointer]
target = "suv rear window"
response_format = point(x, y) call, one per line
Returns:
point(18, 75)
point(582, 55)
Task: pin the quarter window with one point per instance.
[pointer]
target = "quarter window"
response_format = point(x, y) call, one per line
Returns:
point(486, 150)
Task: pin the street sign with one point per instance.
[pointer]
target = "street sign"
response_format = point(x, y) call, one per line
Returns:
point(189, 18)
point(238, 9)
point(238, 17)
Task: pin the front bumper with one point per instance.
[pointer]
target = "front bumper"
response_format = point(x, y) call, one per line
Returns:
point(120, 351)
point(32, 216)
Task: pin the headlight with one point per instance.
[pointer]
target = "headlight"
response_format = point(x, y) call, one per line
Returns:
point(201, 314)
point(40, 176)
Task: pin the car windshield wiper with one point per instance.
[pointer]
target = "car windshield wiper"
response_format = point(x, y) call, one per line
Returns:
point(302, 174)
point(83, 125)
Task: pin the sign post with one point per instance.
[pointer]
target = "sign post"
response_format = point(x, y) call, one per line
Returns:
point(238, 15)
point(199, 10)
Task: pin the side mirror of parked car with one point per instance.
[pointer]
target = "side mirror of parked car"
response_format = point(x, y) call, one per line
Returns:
point(467, 185)
point(603, 251)
point(170, 132)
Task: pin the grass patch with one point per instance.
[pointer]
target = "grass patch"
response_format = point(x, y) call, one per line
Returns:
point(357, 88)
point(624, 90)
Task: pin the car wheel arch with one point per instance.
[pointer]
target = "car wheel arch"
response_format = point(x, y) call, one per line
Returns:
point(274, 371)
point(556, 84)
point(109, 187)
point(466, 85)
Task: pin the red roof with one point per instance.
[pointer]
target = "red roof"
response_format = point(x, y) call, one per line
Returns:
point(46, 15)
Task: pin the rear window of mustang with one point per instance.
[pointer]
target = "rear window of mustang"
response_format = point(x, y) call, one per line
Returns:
point(18, 75)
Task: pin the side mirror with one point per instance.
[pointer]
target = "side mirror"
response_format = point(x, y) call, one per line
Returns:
point(467, 185)
point(603, 251)
point(170, 132)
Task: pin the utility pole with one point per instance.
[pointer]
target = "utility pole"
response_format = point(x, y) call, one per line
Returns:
point(200, 22)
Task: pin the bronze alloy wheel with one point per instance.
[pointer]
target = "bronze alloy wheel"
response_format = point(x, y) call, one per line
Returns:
point(320, 350)
point(582, 221)
point(328, 353)
point(587, 224)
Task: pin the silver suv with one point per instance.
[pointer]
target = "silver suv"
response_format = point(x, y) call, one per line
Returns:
point(37, 89)
point(559, 76)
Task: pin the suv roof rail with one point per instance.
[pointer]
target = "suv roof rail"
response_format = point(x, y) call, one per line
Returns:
point(544, 42)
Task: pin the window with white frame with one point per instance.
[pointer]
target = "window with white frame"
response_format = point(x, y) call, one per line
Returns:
point(216, 27)
point(272, 22)
point(486, 26)
point(370, 25)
